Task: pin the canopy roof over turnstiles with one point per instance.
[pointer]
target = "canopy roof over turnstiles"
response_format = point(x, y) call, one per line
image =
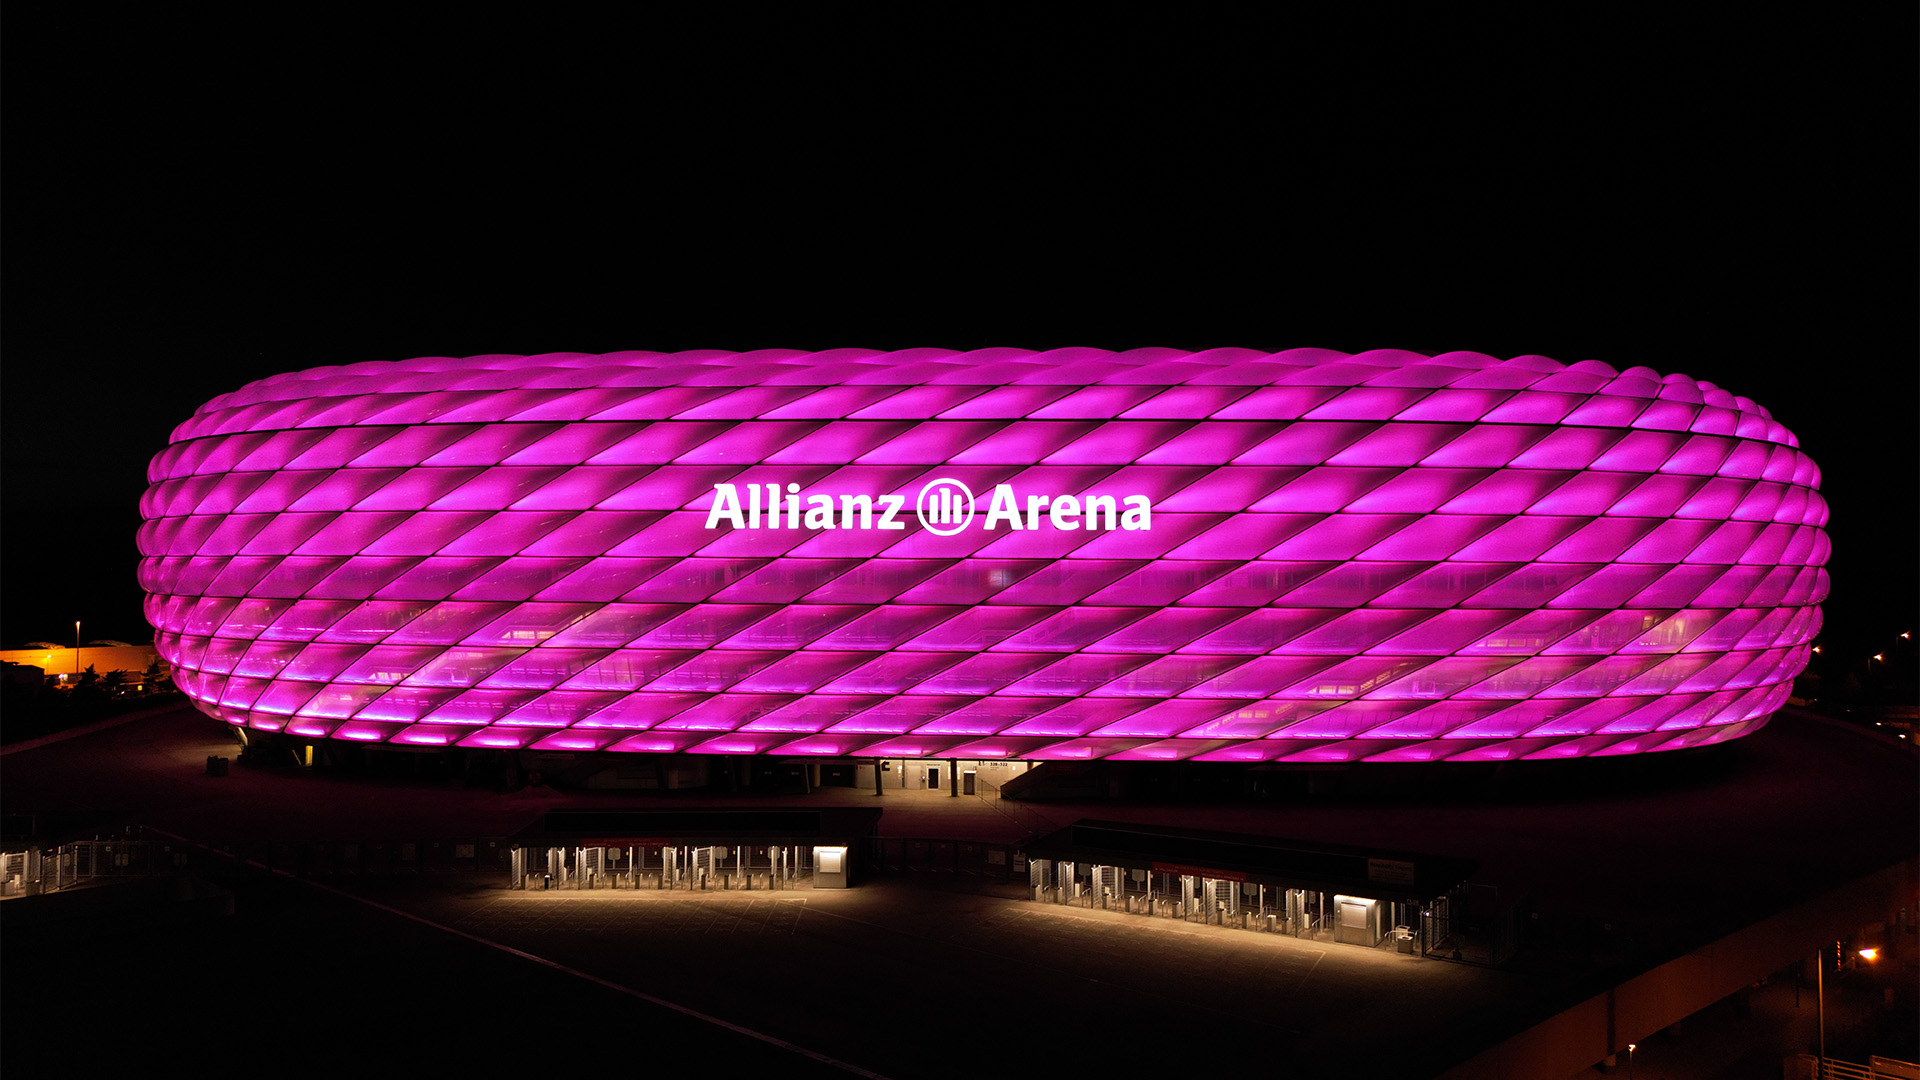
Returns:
point(735, 825)
point(1301, 864)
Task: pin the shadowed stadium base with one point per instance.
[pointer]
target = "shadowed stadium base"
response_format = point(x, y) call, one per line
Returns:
point(1765, 824)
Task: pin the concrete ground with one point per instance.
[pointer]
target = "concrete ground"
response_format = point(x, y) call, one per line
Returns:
point(941, 977)
point(912, 975)
point(1751, 1034)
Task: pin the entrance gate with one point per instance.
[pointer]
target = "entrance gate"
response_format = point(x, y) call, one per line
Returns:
point(663, 866)
point(1228, 902)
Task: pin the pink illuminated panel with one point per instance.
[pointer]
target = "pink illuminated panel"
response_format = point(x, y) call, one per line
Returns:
point(1227, 555)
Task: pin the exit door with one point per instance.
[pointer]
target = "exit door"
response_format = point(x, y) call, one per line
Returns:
point(933, 779)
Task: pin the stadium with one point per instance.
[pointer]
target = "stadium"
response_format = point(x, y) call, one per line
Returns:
point(894, 561)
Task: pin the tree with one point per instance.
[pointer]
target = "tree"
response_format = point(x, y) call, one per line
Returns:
point(88, 687)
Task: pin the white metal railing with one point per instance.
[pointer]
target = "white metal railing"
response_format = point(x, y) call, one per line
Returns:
point(1029, 820)
point(1878, 1069)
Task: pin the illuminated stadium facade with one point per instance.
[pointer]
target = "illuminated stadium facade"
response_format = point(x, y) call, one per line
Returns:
point(1230, 555)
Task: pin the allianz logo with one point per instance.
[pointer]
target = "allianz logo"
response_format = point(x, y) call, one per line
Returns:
point(944, 507)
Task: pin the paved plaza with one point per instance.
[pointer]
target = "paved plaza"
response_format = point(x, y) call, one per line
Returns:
point(908, 975)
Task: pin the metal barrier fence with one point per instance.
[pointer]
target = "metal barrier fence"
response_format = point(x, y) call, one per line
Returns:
point(33, 870)
point(25, 872)
point(1878, 1068)
point(1472, 924)
point(318, 858)
point(38, 870)
point(692, 867)
point(1031, 821)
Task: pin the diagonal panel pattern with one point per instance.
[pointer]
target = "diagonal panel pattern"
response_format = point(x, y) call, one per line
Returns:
point(1223, 555)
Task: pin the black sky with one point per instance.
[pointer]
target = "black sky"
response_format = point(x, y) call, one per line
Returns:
point(192, 202)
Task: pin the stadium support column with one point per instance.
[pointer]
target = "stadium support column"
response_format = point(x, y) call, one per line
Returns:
point(878, 788)
point(953, 777)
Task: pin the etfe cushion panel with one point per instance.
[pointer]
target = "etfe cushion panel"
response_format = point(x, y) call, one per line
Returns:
point(1226, 555)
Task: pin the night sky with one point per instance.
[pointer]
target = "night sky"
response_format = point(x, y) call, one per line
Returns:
point(191, 205)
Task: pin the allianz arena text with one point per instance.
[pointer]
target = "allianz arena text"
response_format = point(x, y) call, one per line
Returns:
point(1229, 555)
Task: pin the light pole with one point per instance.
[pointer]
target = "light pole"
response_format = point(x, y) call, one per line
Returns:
point(1820, 1004)
point(76, 650)
point(1868, 954)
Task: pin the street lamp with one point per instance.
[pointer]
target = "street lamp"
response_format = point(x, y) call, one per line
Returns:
point(1868, 954)
point(76, 649)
